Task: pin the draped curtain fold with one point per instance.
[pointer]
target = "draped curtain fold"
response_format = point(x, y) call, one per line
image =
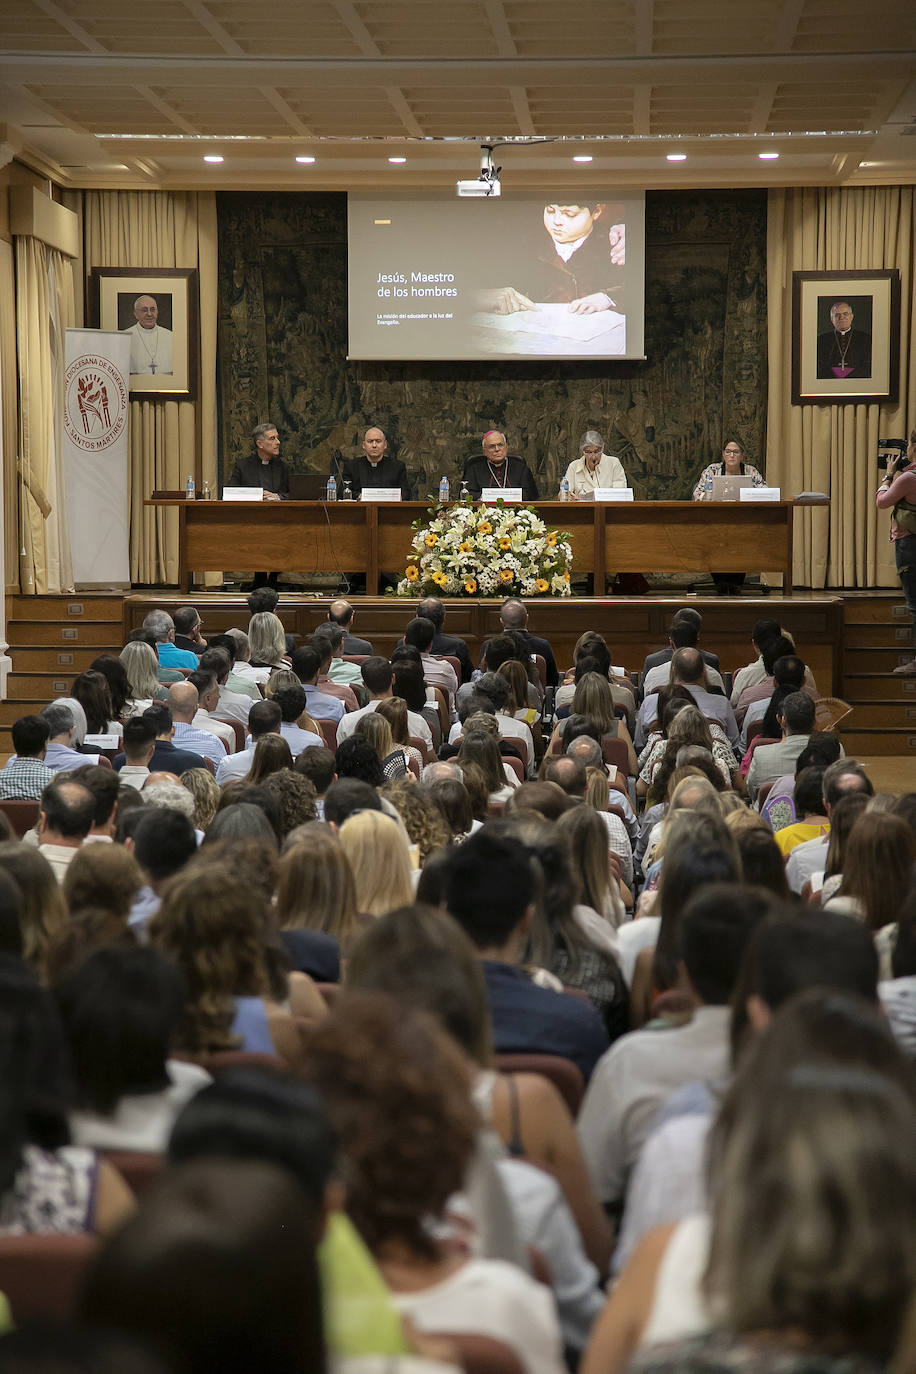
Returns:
point(833, 448)
point(45, 308)
point(168, 439)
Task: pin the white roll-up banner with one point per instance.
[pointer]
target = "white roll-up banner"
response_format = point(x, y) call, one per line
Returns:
point(96, 409)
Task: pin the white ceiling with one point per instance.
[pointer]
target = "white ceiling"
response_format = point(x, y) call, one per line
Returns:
point(828, 84)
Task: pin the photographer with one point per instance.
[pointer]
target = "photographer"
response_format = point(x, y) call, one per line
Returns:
point(897, 493)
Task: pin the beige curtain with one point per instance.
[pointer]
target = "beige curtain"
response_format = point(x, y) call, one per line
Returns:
point(833, 448)
point(168, 439)
point(45, 308)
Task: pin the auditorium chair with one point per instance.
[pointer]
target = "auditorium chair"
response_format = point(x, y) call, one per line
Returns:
point(41, 1275)
point(763, 791)
point(616, 752)
point(239, 730)
point(442, 707)
point(21, 815)
point(540, 663)
point(328, 730)
point(516, 765)
point(483, 1354)
point(565, 1076)
point(453, 661)
point(138, 1168)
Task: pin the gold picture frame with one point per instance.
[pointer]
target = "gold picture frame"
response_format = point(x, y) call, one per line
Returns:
point(845, 337)
point(164, 353)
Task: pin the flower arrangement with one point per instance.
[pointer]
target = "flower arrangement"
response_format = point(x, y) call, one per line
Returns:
point(467, 550)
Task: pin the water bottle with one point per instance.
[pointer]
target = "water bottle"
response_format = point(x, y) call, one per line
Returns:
point(564, 490)
point(332, 488)
point(708, 487)
point(189, 487)
point(443, 491)
point(206, 494)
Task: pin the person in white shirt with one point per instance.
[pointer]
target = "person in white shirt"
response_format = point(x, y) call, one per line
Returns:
point(65, 816)
point(593, 468)
point(264, 719)
point(150, 342)
point(436, 672)
point(232, 704)
point(378, 676)
point(205, 717)
point(291, 701)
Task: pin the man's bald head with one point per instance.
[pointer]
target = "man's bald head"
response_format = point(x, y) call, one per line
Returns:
point(183, 701)
point(513, 615)
point(687, 665)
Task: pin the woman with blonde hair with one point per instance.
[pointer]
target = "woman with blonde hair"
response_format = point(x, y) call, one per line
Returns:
point(43, 916)
point(374, 728)
point(586, 835)
point(517, 705)
point(594, 700)
point(379, 854)
point(315, 887)
point(687, 727)
point(204, 788)
point(481, 748)
point(394, 710)
point(271, 753)
point(140, 664)
point(267, 640)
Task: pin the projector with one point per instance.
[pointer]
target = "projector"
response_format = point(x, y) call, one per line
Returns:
point(480, 186)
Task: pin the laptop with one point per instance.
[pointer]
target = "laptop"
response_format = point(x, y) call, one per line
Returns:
point(307, 486)
point(728, 488)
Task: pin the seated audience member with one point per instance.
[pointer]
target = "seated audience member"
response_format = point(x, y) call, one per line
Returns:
point(796, 721)
point(378, 852)
point(90, 689)
point(375, 730)
point(517, 705)
point(684, 725)
point(319, 765)
point(640, 1072)
point(490, 890)
point(779, 808)
point(419, 956)
point(206, 717)
point(141, 666)
point(402, 1166)
point(784, 669)
point(101, 883)
point(357, 758)
point(26, 775)
point(267, 643)
point(753, 673)
point(409, 684)
point(340, 670)
point(166, 756)
point(431, 608)
point(104, 785)
point(184, 701)
point(687, 615)
point(792, 950)
point(688, 670)
point(216, 1270)
point(587, 836)
point(593, 698)
point(877, 871)
point(513, 614)
point(121, 1007)
point(316, 902)
point(394, 713)
point(161, 626)
point(342, 613)
point(294, 796)
point(808, 800)
point(63, 733)
point(421, 816)
point(321, 643)
point(378, 677)
point(291, 701)
point(115, 675)
point(455, 803)
point(244, 677)
point(235, 1001)
point(189, 630)
point(234, 701)
point(761, 863)
point(43, 915)
point(495, 688)
point(436, 672)
point(820, 1097)
point(347, 796)
point(570, 773)
point(163, 842)
point(320, 705)
point(264, 720)
point(809, 858)
point(46, 1184)
point(65, 818)
point(843, 815)
point(479, 747)
point(139, 742)
point(682, 634)
point(789, 676)
point(243, 821)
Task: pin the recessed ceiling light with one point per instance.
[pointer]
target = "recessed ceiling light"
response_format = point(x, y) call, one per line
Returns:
point(676, 157)
point(213, 157)
point(397, 159)
point(305, 157)
point(582, 157)
point(768, 157)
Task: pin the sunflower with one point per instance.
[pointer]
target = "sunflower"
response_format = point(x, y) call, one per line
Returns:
point(566, 577)
point(485, 527)
point(505, 544)
point(506, 575)
point(431, 540)
point(465, 547)
point(470, 586)
point(542, 585)
point(440, 579)
point(412, 573)
point(551, 540)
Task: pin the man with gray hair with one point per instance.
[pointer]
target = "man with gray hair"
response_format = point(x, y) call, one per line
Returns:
point(161, 625)
point(59, 756)
point(263, 468)
point(840, 777)
point(442, 769)
point(589, 751)
point(593, 468)
point(497, 467)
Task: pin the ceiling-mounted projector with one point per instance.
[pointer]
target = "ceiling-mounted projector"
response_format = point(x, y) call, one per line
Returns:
point(487, 183)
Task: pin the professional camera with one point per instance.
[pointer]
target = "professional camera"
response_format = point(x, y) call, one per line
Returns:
point(892, 455)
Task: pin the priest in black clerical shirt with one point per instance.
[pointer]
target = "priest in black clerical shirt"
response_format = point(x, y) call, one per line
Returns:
point(375, 467)
point(263, 468)
point(496, 467)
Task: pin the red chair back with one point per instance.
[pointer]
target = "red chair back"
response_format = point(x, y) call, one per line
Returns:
point(21, 815)
point(562, 1073)
point(453, 661)
point(41, 1275)
point(138, 1168)
point(615, 752)
point(239, 730)
point(482, 1354)
point(328, 730)
point(516, 765)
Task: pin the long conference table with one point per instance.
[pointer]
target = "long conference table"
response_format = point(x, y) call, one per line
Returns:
point(374, 537)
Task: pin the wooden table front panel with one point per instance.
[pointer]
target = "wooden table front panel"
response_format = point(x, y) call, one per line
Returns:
point(678, 537)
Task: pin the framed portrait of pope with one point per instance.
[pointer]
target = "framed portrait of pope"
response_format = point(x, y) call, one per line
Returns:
point(157, 308)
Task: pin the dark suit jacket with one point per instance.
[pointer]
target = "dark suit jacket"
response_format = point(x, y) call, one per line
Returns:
point(166, 759)
point(182, 642)
point(535, 646)
point(518, 474)
point(451, 644)
point(251, 472)
point(354, 647)
point(390, 472)
point(857, 353)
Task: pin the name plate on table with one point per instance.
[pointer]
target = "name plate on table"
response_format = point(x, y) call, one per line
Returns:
point(613, 493)
point(491, 494)
point(104, 741)
point(759, 494)
point(380, 494)
point(243, 493)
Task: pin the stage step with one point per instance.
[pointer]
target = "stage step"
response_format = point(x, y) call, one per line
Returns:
point(877, 687)
point(883, 715)
point(61, 659)
point(879, 636)
point(859, 743)
point(883, 609)
point(875, 660)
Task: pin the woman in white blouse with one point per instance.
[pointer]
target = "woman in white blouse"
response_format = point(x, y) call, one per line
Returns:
point(593, 468)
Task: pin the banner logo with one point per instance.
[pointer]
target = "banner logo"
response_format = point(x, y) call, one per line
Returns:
point(95, 407)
